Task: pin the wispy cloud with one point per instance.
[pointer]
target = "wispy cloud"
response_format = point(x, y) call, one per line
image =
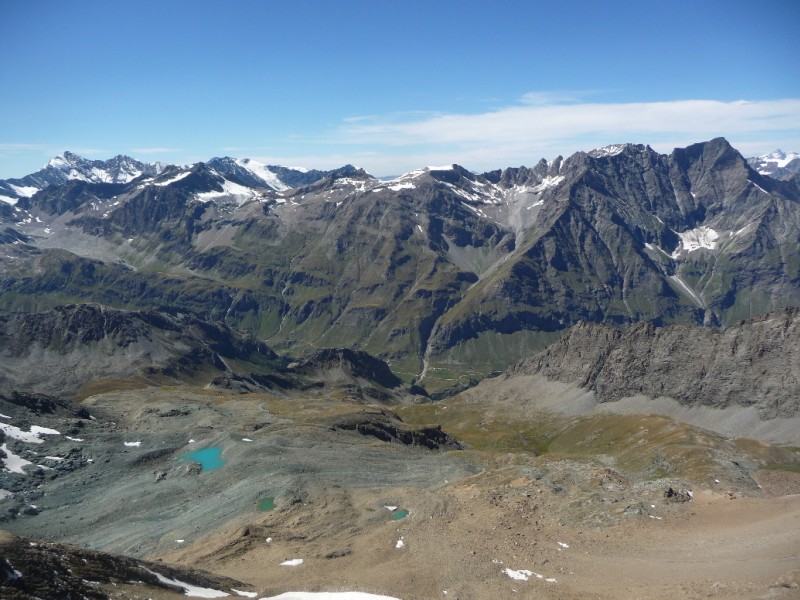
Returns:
point(11, 147)
point(156, 150)
point(544, 124)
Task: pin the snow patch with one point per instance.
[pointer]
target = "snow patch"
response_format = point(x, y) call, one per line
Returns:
point(5, 494)
point(547, 183)
point(778, 159)
point(8, 199)
point(240, 193)
point(24, 190)
point(263, 172)
point(611, 150)
point(190, 590)
point(407, 185)
point(31, 437)
point(294, 562)
point(329, 596)
point(400, 543)
point(133, 444)
point(521, 575)
point(245, 594)
point(13, 462)
point(72, 439)
point(695, 239)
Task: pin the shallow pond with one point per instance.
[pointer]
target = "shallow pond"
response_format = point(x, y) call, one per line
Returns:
point(266, 504)
point(399, 514)
point(209, 458)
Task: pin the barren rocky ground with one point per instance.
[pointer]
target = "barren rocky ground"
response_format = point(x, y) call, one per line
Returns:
point(536, 503)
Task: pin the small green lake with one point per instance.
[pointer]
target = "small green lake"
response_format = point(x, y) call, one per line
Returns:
point(266, 504)
point(209, 458)
point(399, 515)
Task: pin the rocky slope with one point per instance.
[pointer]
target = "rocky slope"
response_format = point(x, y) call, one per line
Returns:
point(754, 363)
point(31, 570)
point(74, 348)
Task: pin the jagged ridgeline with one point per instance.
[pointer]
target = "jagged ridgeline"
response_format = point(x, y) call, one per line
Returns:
point(445, 274)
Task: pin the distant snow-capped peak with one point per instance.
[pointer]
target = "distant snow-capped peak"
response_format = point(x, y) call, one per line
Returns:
point(120, 169)
point(779, 159)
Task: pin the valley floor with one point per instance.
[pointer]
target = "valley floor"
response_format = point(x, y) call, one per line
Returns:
point(470, 541)
point(537, 504)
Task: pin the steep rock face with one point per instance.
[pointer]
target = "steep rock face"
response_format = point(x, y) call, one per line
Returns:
point(630, 235)
point(64, 349)
point(754, 363)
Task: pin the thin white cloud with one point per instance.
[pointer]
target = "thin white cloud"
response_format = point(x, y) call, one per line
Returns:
point(551, 123)
point(156, 150)
point(11, 147)
point(566, 121)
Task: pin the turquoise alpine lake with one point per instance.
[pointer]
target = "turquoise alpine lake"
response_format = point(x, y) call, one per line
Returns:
point(399, 514)
point(266, 504)
point(209, 458)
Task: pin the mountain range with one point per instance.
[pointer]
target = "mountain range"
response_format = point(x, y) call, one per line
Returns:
point(240, 379)
point(446, 274)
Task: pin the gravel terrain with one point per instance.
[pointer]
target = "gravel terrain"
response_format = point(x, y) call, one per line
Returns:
point(528, 507)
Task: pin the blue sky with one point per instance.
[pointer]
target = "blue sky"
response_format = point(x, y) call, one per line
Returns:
point(392, 86)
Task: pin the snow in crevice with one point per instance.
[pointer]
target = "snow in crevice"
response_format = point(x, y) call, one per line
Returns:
point(174, 179)
point(689, 291)
point(758, 187)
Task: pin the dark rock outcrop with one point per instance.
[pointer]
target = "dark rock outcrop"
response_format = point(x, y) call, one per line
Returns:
point(388, 427)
